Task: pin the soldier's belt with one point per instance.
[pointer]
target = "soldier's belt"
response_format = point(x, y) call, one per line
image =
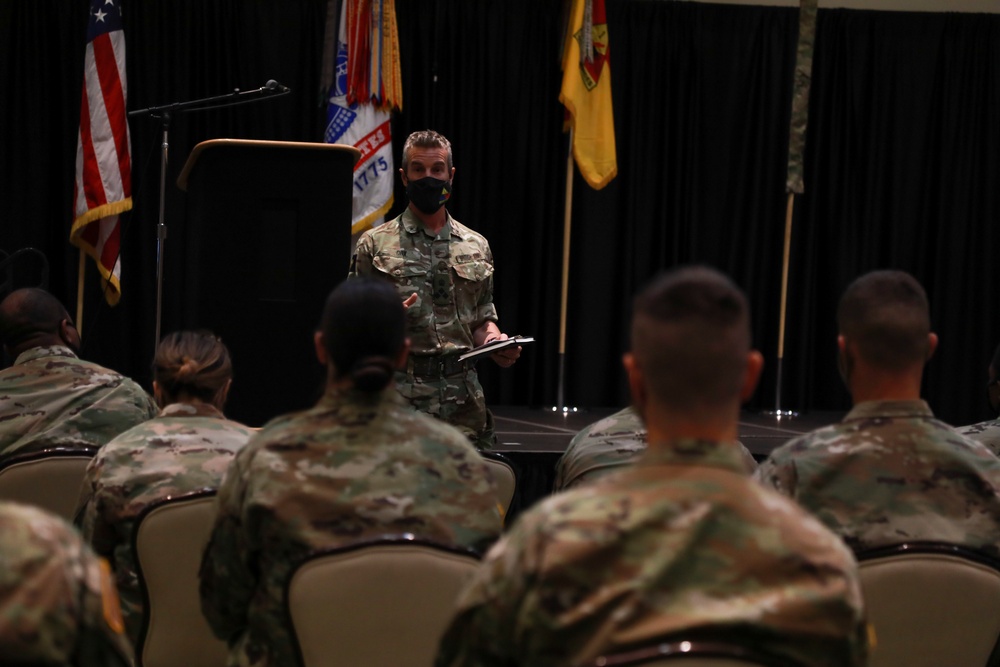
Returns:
point(436, 366)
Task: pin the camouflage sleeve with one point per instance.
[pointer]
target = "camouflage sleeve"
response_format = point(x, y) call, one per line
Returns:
point(98, 522)
point(560, 479)
point(361, 263)
point(87, 489)
point(227, 580)
point(152, 409)
point(749, 462)
point(98, 531)
point(58, 604)
point(487, 309)
point(777, 472)
point(483, 632)
point(142, 401)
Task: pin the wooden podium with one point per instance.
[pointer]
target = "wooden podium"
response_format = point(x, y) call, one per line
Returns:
point(268, 235)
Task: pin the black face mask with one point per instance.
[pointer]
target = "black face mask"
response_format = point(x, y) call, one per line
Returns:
point(428, 194)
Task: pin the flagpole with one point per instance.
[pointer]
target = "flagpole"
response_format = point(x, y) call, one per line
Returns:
point(794, 176)
point(784, 303)
point(81, 273)
point(564, 299)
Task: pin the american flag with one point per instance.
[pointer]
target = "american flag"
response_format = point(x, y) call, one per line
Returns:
point(103, 163)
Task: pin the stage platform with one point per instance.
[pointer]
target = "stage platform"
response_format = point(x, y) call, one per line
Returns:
point(534, 439)
point(536, 430)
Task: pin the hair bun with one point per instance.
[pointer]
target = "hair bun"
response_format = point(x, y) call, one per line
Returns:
point(372, 373)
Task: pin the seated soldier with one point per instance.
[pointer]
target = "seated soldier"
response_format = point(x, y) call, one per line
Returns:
point(988, 432)
point(57, 603)
point(606, 444)
point(360, 465)
point(682, 544)
point(50, 397)
point(188, 447)
point(890, 472)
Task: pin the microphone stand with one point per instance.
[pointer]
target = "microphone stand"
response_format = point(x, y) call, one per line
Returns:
point(269, 90)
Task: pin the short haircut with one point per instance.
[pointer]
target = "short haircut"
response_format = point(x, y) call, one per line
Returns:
point(885, 314)
point(425, 139)
point(195, 363)
point(364, 330)
point(28, 312)
point(690, 337)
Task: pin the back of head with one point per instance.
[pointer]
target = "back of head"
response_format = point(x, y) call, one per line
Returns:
point(29, 317)
point(885, 315)
point(691, 337)
point(192, 364)
point(363, 328)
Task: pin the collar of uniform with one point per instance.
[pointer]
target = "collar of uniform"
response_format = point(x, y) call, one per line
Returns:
point(334, 395)
point(192, 409)
point(696, 452)
point(880, 409)
point(412, 225)
point(44, 351)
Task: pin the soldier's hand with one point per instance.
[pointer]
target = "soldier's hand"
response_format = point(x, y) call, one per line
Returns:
point(410, 300)
point(507, 356)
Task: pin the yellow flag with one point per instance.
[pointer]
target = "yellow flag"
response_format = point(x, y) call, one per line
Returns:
point(586, 92)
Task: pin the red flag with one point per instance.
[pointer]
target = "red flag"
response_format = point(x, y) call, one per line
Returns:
point(103, 186)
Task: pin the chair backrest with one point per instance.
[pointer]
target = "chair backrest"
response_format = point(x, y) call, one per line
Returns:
point(379, 604)
point(49, 479)
point(696, 653)
point(504, 476)
point(931, 604)
point(168, 540)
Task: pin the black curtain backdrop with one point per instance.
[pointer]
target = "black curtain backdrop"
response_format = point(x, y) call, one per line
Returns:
point(903, 158)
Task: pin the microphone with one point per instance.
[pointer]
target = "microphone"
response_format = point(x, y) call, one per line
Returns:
point(274, 86)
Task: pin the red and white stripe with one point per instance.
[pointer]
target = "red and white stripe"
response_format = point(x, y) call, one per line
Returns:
point(103, 163)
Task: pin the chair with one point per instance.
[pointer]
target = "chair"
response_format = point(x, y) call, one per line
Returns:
point(694, 654)
point(50, 478)
point(383, 603)
point(168, 540)
point(504, 476)
point(932, 604)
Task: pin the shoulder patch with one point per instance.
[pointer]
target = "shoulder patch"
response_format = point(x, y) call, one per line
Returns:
point(109, 600)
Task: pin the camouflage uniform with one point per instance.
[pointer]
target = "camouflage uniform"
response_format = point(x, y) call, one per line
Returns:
point(987, 432)
point(608, 444)
point(352, 468)
point(452, 274)
point(890, 473)
point(680, 544)
point(57, 603)
point(51, 398)
point(187, 448)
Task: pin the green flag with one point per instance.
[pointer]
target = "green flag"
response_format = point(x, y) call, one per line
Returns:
point(800, 95)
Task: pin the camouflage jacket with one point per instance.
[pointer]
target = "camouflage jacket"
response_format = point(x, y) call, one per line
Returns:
point(51, 398)
point(354, 467)
point(987, 432)
point(452, 275)
point(890, 473)
point(681, 544)
point(187, 448)
point(607, 444)
point(57, 603)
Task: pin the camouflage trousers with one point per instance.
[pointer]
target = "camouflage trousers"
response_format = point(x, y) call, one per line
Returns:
point(457, 399)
